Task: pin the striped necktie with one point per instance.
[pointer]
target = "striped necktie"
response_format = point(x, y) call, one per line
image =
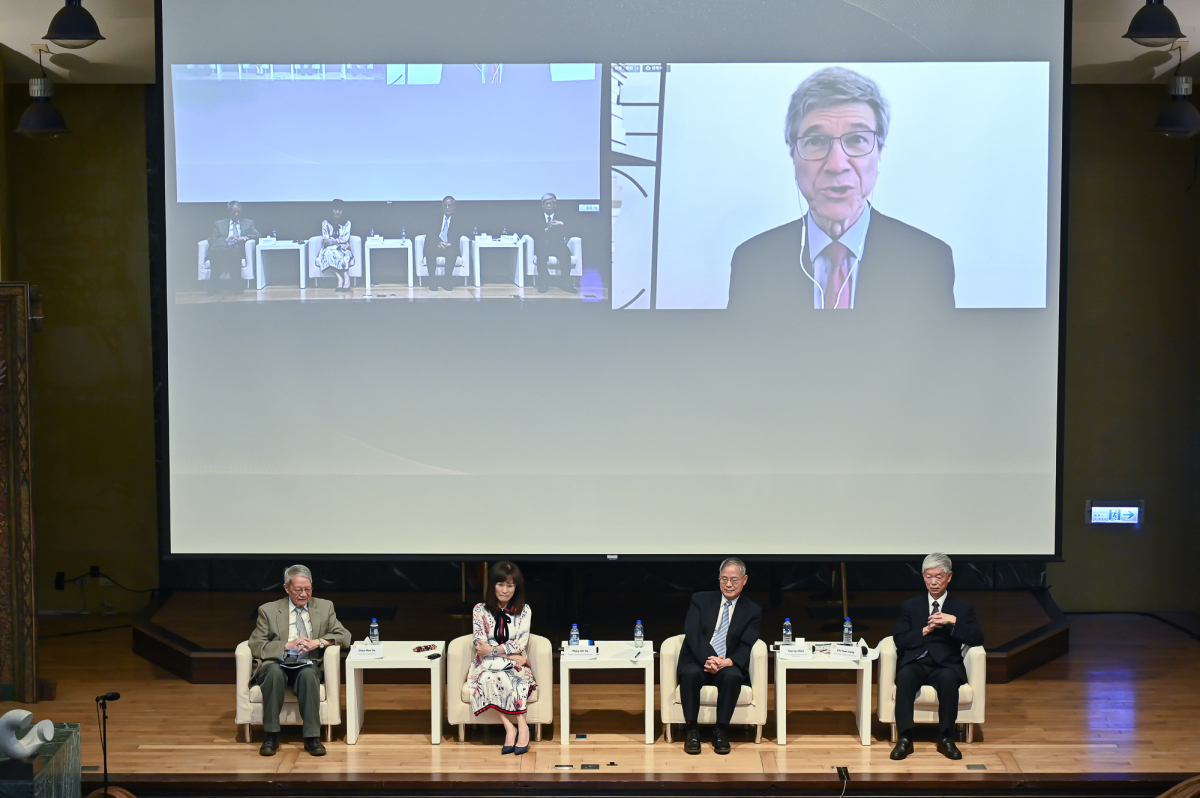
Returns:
point(722, 631)
point(301, 631)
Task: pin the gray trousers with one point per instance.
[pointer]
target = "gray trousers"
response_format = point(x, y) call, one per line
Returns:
point(305, 682)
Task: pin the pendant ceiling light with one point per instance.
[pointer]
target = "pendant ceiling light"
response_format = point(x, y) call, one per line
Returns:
point(41, 118)
point(73, 27)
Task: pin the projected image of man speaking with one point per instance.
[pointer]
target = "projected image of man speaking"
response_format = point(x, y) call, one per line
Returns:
point(842, 254)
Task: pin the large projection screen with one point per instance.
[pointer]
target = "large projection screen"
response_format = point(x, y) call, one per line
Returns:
point(812, 307)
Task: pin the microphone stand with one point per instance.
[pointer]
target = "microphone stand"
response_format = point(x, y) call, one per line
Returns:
point(104, 740)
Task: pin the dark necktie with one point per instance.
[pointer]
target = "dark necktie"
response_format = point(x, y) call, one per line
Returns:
point(933, 611)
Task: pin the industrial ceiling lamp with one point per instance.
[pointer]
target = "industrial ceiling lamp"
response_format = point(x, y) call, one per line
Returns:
point(74, 28)
point(41, 118)
point(1152, 26)
point(1179, 118)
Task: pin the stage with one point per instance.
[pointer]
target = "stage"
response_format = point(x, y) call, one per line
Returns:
point(1113, 716)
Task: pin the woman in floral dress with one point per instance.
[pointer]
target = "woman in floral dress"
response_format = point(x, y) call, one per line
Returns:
point(335, 251)
point(500, 677)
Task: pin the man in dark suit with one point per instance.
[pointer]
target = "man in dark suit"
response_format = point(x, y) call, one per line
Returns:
point(443, 243)
point(843, 254)
point(227, 248)
point(550, 240)
point(288, 645)
point(929, 637)
point(720, 631)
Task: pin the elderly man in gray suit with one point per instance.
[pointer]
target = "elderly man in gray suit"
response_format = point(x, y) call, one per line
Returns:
point(287, 632)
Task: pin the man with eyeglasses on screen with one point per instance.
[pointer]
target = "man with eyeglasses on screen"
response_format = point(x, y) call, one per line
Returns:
point(720, 631)
point(842, 254)
point(288, 644)
point(929, 636)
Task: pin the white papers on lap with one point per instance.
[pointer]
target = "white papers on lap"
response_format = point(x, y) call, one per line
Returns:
point(363, 651)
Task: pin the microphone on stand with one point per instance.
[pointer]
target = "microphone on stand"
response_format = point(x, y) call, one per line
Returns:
point(102, 711)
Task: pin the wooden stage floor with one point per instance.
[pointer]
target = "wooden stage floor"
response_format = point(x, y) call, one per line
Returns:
point(1115, 716)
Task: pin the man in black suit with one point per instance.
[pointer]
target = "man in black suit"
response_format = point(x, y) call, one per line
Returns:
point(550, 240)
point(843, 254)
point(443, 243)
point(929, 637)
point(721, 629)
point(227, 248)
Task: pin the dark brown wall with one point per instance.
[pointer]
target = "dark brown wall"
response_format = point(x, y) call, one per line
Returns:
point(77, 220)
point(77, 228)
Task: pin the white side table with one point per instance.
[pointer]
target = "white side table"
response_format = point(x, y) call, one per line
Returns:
point(820, 662)
point(387, 243)
point(613, 654)
point(396, 654)
point(300, 247)
point(495, 243)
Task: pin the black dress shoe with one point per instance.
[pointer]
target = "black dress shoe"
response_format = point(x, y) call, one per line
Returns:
point(903, 748)
point(569, 287)
point(691, 740)
point(948, 749)
point(270, 744)
point(313, 746)
point(432, 285)
point(720, 741)
point(543, 285)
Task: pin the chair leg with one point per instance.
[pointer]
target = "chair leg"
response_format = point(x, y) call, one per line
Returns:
point(895, 734)
point(328, 733)
point(667, 731)
point(757, 735)
point(537, 732)
point(247, 733)
point(970, 732)
point(462, 732)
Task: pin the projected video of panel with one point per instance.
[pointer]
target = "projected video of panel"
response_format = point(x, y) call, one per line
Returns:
point(470, 181)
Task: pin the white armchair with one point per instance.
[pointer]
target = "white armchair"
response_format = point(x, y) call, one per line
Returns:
point(751, 704)
point(971, 696)
point(459, 654)
point(314, 249)
point(249, 697)
point(462, 264)
point(205, 268)
point(574, 244)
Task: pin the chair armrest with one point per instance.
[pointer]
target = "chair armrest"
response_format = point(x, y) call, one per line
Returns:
point(530, 255)
point(758, 676)
point(975, 660)
point(464, 251)
point(458, 663)
point(668, 667)
point(333, 683)
point(419, 258)
point(887, 680)
point(541, 658)
point(203, 270)
point(243, 661)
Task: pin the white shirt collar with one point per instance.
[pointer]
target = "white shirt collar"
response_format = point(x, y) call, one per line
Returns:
point(294, 607)
point(941, 601)
point(854, 239)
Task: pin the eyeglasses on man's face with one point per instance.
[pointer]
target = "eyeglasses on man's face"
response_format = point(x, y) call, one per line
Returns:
point(732, 580)
point(295, 589)
point(855, 144)
point(941, 577)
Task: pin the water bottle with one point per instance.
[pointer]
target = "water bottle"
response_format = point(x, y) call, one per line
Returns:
point(847, 632)
point(475, 233)
point(403, 233)
point(272, 232)
point(374, 633)
point(504, 232)
point(372, 232)
point(787, 630)
point(574, 634)
point(638, 635)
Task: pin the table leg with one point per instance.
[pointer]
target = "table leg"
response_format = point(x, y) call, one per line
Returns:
point(436, 680)
point(564, 703)
point(353, 703)
point(475, 261)
point(780, 703)
point(410, 265)
point(303, 275)
point(650, 735)
point(367, 269)
point(864, 703)
point(260, 278)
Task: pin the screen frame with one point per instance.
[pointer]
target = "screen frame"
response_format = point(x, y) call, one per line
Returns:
point(156, 206)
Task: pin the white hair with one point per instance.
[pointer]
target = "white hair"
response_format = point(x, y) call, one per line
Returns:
point(294, 571)
point(937, 560)
point(728, 561)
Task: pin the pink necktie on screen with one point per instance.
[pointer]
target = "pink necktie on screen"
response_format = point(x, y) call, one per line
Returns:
point(837, 285)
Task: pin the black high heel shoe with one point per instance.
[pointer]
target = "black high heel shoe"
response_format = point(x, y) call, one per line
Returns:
point(508, 749)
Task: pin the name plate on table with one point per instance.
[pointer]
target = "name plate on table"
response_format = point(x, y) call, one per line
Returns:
point(799, 650)
point(364, 651)
point(847, 651)
point(375, 239)
point(266, 240)
point(581, 652)
point(509, 239)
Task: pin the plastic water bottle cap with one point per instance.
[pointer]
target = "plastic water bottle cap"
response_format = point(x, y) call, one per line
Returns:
point(373, 620)
point(787, 620)
point(847, 618)
point(639, 621)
